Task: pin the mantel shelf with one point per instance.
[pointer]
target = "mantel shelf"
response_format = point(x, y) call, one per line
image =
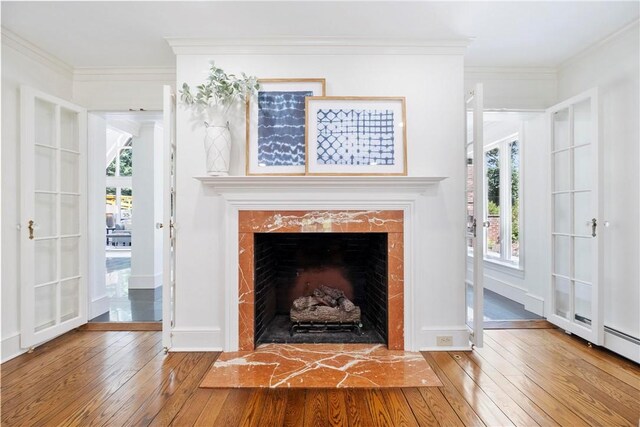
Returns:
point(404, 184)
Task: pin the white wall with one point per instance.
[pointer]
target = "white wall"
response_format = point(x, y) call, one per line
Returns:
point(613, 66)
point(21, 64)
point(514, 88)
point(121, 89)
point(433, 85)
point(146, 240)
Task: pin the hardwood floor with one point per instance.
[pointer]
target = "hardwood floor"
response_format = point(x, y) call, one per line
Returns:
point(521, 377)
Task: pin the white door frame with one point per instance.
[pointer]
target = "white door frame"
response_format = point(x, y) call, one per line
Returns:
point(96, 193)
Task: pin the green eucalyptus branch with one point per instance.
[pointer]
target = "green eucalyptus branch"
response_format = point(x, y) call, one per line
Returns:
point(220, 89)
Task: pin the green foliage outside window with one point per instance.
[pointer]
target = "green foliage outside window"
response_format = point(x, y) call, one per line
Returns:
point(515, 191)
point(492, 158)
point(111, 169)
point(126, 162)
point(493, 208)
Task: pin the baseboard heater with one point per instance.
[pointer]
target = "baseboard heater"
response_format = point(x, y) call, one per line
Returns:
point(612, 331)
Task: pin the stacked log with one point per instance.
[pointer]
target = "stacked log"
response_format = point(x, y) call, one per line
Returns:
point(327, 304)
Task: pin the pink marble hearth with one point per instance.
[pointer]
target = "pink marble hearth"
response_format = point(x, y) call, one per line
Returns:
point(387, 221)
point(320, 366)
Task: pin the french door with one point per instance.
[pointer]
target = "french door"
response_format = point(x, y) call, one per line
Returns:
point(474, 285)
point(53, 214)
point(168, 215)
point(575, 292)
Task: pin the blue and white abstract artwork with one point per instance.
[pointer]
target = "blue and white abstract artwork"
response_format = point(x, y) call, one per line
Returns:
point(355, 137)
point(281, 118)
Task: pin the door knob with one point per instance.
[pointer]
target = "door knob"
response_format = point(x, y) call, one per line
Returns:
point(594, 225)
point(31, 223)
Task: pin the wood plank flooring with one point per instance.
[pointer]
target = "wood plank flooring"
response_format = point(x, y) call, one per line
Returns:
point(118, 378)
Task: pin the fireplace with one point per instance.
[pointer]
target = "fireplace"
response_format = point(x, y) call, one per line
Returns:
point(321, 272)
point(284, 255)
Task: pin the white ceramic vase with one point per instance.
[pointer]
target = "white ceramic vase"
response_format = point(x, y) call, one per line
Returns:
point(217, 147)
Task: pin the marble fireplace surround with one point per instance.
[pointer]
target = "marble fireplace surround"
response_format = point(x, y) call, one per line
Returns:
point(321, 221)
point(317, 194)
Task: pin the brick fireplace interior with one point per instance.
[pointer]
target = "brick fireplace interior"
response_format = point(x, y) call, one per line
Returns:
point(279, 252)
point(293, 265)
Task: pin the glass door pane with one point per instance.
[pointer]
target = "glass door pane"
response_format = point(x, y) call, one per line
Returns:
point(45, 306)
point(561, 130)
point(45, 123)
point(45, 261)
point(46, 176)
point(69, 139)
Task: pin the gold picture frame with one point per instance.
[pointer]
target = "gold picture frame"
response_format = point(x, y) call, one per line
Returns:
point(261, 157)
point(356, 135)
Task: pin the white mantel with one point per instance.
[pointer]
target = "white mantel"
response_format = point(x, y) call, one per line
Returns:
point(343, 184)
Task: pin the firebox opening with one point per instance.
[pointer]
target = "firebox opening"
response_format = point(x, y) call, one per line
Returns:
point(289, 266)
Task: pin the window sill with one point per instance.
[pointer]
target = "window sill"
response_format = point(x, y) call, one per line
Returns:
point(504, 267)
point(501, 266)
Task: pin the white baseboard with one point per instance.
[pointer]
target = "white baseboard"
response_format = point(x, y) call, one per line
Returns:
point(98, 306)
point(196, 339)
point(622, 346)
point(532, 303)
point(145, 281)
point(11, 348)
point(427, 338)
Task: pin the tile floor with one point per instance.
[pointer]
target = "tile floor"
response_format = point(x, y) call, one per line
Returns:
point(498, 307)
point(128, 305)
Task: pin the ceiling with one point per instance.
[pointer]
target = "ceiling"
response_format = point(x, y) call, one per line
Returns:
point(505, 34)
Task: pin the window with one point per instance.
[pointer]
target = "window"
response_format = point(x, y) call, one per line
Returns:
point(492, 221)
point(122, 163)
point(119, 171)
point(119, 204)
point(502, 201)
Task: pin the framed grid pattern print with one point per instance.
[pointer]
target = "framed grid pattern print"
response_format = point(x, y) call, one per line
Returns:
point(356, 135)
point(276, 126)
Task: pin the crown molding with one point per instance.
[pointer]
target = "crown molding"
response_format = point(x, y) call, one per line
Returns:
point(633, 25)
point(316, 46)
point(14, 41)
point(513, 73)
point(87, 74)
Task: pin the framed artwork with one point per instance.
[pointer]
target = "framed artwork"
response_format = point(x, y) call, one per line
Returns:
point(356, 135)
point(276, 126)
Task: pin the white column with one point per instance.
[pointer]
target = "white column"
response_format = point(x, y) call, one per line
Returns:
point(146, 240)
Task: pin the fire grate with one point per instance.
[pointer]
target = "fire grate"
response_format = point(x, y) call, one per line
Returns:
point(321, 327)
